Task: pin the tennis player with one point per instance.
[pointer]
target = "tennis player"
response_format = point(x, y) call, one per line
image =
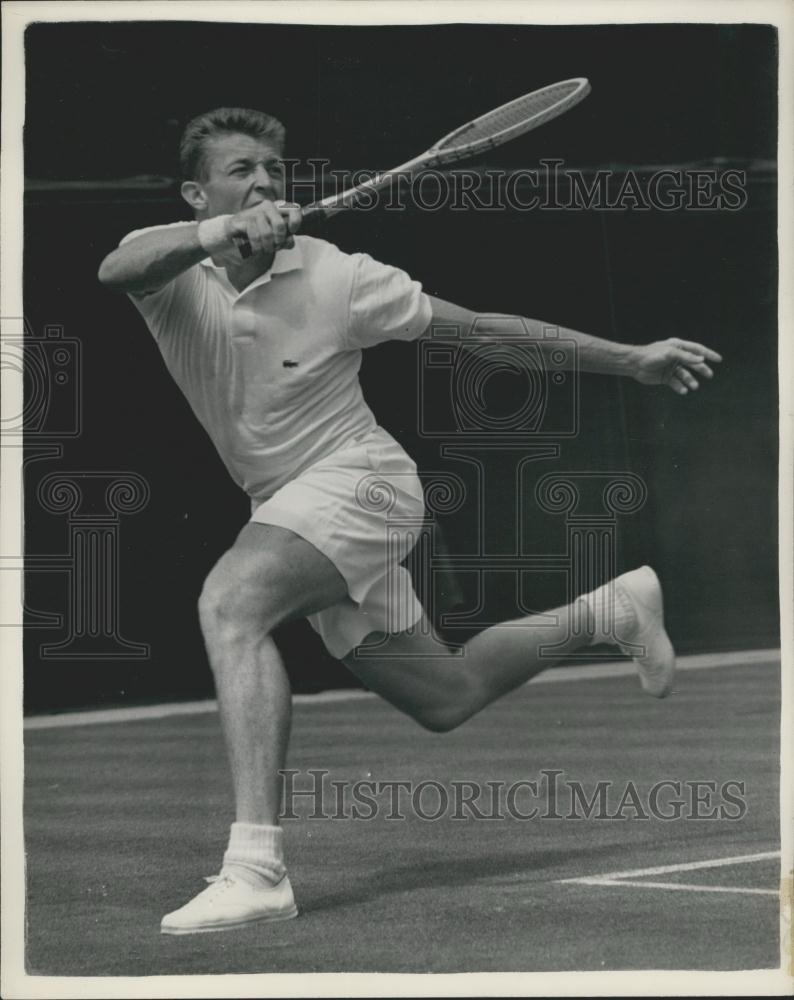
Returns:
point(267, 350)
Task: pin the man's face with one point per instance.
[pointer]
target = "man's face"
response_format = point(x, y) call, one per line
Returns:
point(239, 172)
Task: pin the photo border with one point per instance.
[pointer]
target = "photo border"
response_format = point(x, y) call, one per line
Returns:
point(15, 18)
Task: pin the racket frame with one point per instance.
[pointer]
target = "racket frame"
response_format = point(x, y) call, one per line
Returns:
point(437, 155)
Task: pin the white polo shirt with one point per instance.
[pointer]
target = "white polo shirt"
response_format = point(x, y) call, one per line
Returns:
point(272, 372)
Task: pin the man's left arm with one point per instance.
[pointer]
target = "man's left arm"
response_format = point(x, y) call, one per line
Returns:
point(672, 362)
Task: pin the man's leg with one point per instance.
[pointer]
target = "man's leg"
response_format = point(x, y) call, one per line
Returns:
point(269, 575)
point(442, 691)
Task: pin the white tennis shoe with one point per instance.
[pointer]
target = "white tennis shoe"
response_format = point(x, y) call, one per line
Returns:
point(230, 901)
point(655, 657)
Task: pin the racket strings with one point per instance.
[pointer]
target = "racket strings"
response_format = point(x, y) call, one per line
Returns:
point(535, 108)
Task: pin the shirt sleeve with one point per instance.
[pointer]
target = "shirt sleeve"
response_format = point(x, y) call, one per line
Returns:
point(385, 304)
point(176, 298)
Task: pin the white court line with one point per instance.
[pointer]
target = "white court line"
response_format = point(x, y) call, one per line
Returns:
point(679, 885)
point(625, 668)
point(555, 675)
point(629, 878)
point(685, 866)
point(144, 712)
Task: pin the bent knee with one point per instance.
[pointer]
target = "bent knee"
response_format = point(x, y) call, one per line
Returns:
point(457, 704)
point(438, 707)
point(229, 607)
point(439, 722)
point(444, 718)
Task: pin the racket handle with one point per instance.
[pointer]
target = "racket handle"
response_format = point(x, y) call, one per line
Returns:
point(313, 217)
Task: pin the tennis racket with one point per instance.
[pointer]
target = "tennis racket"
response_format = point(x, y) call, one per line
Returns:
point(486, 132)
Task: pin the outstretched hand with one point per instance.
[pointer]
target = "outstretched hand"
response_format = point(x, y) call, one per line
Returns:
point(674, 363)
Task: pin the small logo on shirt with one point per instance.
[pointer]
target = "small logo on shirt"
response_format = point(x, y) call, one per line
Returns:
point(290, 364)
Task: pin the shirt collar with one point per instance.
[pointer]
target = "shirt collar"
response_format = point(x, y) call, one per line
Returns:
point(290, 259)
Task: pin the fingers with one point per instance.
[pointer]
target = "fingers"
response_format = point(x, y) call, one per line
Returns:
point(260, 235)
point(687, 357)
point(251, 226)
point(275, 220)
point(703, 369)
point(682, 376)
point(699, 349)
point(267, 227)
point(689, 362)
point(293, 215)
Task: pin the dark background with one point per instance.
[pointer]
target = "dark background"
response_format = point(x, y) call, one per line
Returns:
point(106, 103)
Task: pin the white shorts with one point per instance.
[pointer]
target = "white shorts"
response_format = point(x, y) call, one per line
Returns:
point(363, 508)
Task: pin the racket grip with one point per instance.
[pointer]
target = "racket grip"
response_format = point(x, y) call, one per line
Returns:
point(313, 217)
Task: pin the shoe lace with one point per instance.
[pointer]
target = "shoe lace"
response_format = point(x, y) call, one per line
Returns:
point(219, 883)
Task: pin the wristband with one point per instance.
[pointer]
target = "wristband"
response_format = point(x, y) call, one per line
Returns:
point(213, 234)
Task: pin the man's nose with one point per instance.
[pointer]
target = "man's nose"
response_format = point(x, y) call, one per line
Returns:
point(262, 179)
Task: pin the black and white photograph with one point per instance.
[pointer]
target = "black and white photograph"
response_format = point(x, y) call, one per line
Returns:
point(396, 450)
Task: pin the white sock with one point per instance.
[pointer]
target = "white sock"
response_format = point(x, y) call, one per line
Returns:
point(607, 614)
point(256, 852)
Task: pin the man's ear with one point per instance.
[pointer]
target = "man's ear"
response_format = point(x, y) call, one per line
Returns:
point(194, 195)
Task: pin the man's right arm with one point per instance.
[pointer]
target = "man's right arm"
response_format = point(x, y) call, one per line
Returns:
point(148, 262)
